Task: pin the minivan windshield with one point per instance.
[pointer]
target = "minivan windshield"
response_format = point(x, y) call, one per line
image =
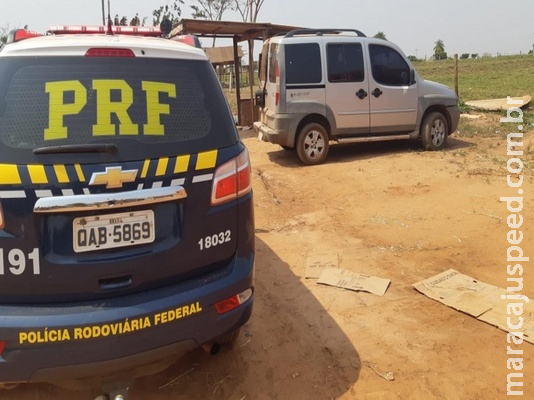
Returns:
point(143, 107)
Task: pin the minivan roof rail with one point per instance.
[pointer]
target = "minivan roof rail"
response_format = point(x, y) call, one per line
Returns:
point(320, 32)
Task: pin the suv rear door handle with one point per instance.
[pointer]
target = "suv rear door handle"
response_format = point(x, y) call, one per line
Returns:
point(362, 94)
point(377, 92)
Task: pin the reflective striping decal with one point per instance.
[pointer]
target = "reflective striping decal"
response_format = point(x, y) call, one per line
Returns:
point(9, 174)
point(37, 174)
point(202, 178)
point(182, 164)
point(67, 192)
point(162, 166)
point(43, 193)
point(206, 160)
point(12, 194)
point(61, 173)
point(178, 182)
point(157, 185)
point(79, 172)
point(144, 172)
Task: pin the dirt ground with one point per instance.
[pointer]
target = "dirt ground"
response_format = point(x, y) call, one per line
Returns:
point(389, 210)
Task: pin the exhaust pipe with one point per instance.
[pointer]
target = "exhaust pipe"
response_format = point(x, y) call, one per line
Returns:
point(211, 348)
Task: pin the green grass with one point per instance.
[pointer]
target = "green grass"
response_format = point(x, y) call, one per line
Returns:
point(484, 78)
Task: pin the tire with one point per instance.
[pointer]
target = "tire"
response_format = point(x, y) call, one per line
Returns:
point(312, 144)
point(434, 131)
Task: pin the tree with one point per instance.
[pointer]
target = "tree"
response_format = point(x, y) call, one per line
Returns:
point(439, 50)
point(248, 9)
point(380, 35)
point(211, 10)
point(135, 20)
point(170, 13)
point(4, 31)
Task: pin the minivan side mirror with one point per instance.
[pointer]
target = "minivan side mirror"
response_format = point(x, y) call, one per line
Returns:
point(412, 77)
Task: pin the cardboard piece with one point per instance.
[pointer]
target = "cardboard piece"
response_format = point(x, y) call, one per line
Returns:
point(318, 262)
point(345, 279)
point(485, 302)
point(498, 104)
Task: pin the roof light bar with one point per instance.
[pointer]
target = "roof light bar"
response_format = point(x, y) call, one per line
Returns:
point(16, 35)
point(191, 40)
point(118, 30)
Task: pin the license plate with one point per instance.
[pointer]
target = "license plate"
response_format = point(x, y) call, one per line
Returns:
point(113, 230)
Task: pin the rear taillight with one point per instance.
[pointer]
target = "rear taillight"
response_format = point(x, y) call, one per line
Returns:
point(232, 180)
point(1, 217)
point(277, 73)
point(95, 52)
point(230, 303)
point(2, 347)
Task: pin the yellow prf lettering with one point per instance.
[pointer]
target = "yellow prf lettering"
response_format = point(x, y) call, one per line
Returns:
point(58, 109)
point(154, 108)
point(105, 107)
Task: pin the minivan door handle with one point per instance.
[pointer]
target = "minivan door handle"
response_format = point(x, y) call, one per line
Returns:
point(362, 94)
point(377, 92)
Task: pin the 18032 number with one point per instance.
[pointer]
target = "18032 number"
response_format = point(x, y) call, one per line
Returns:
point(215, 240)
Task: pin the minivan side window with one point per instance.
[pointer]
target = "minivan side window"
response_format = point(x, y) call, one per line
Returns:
point(388, 66)
point(303, 63)
point(272, 62)
point(345, 62)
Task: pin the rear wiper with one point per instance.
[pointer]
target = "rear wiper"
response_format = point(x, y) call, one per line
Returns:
point(78, 148)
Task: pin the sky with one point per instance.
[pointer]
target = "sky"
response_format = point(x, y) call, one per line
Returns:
point(465, 26)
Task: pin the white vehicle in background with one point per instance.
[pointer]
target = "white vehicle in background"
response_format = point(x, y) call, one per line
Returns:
point(319, 85)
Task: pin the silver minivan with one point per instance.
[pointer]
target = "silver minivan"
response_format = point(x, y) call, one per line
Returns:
point(331, 84)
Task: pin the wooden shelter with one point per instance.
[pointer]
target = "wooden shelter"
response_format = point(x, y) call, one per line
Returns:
point(239, 32)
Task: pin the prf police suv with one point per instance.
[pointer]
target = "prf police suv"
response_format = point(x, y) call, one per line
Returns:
point(126, 212)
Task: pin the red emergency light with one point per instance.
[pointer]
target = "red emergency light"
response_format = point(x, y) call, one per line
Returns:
point(117, 30)
point(16, 35)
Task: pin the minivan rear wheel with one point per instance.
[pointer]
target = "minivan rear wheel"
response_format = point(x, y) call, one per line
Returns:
point(312, 144)
point(434, 131)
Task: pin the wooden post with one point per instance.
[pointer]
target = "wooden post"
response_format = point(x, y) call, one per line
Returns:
point(251, 76)
point(456, 74)
point(237, 67)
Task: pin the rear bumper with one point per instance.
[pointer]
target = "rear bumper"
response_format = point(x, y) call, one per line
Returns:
point(283, 132)
point(106, 338)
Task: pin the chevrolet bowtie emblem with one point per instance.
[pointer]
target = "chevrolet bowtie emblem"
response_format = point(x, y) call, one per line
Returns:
point(113, 178)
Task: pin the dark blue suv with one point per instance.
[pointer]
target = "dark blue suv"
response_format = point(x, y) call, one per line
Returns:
point(126, 210)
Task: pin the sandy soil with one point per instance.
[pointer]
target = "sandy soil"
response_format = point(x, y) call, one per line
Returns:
point(388, 210)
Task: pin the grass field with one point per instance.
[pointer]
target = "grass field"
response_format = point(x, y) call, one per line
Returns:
point(484, 78)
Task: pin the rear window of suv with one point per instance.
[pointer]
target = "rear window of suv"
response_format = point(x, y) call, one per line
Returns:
point(147, 107)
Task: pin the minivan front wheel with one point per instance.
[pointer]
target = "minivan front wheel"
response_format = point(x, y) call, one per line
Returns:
point(434, 131)
point(312, 144)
